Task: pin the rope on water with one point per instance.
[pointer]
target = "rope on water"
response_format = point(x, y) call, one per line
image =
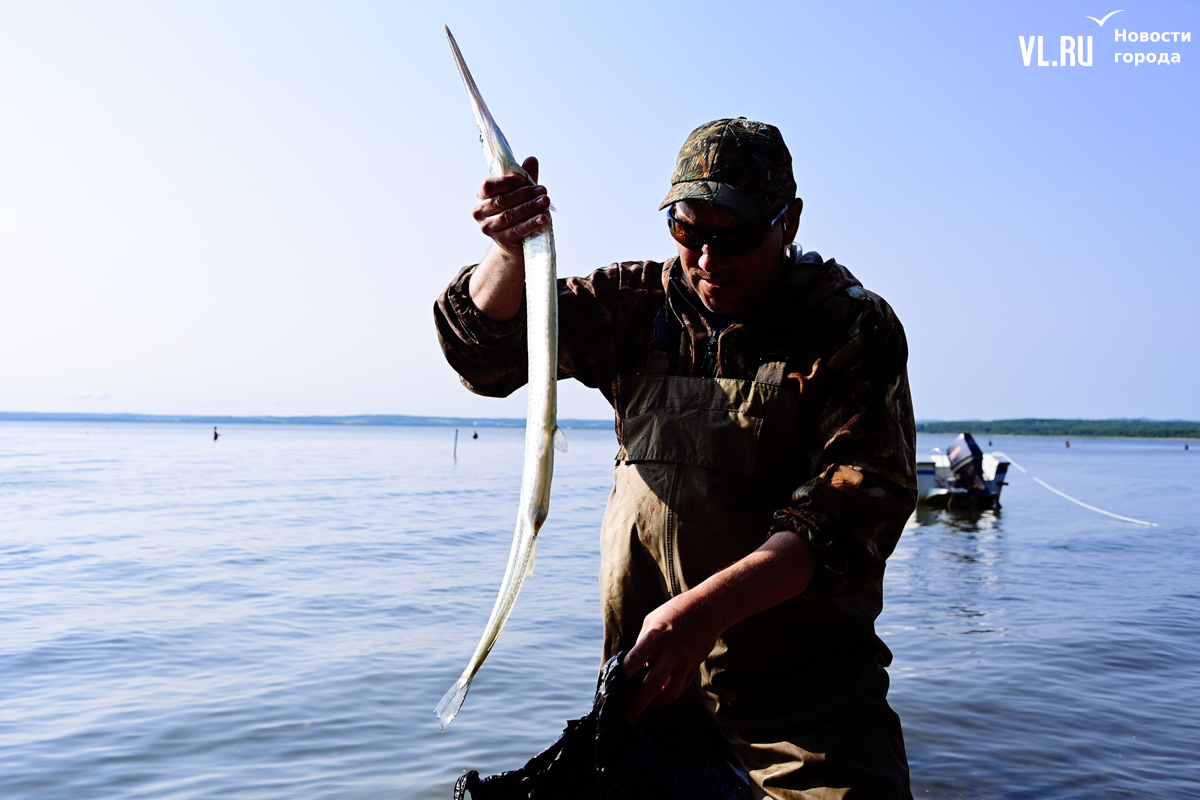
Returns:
point(1078, 502)
point(1015, 464)
point(1093, 508)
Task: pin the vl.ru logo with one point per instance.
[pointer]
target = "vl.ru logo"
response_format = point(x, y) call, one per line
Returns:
point(1068, 55)
point(1071, 51)
point(1067, 52)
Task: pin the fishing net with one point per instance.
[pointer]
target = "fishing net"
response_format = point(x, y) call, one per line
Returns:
point(600, 757)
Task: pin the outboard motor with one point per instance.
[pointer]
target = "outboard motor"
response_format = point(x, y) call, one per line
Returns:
point(962, 452)
point(966, 462)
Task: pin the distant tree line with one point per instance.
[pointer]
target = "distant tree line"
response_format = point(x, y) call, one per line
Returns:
point(1140, 428)
point(360, 419)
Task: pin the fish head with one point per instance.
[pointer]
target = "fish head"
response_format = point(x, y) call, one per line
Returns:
point(495, 147)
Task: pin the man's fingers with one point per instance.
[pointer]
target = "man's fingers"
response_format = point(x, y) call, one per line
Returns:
point(671, 690)
point(494, 206)
point(530, 226)
point(641, 701)
point(510, 208)
point(515, 219)
point(500, 184)
point(657, 679)
point(642, 653)
point(512, 235)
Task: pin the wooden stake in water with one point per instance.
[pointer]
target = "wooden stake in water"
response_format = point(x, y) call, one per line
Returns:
point(456, 445)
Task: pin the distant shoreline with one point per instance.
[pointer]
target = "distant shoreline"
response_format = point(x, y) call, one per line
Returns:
point(357, 419)
point(1119, 428)
point(1115, 428)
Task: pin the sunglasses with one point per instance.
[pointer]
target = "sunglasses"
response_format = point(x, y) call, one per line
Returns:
point(726, 241)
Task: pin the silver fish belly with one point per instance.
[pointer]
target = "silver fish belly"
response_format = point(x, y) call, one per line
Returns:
point(542, 434)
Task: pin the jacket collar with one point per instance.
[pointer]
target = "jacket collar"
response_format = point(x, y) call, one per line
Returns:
point(804, 283)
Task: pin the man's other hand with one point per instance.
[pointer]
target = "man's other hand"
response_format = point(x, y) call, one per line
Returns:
point(677, 636)
point(510, 209)
point(675, 639)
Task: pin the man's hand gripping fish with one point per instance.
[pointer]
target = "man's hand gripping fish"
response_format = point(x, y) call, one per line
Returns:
point(542, 434)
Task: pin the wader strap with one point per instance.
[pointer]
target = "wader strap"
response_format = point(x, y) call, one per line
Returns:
point(771, 370)
point(666, 338)
point(658, 362)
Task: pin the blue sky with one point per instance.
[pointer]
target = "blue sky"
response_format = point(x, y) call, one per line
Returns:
point(249, 208)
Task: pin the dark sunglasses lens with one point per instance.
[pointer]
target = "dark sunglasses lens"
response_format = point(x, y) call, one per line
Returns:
point(684, 235)
point(727, 244)
point(738, 245)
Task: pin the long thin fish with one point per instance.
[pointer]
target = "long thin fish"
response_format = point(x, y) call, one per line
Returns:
point(542, 434)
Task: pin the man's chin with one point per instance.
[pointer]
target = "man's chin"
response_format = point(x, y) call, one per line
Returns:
point(721, 298)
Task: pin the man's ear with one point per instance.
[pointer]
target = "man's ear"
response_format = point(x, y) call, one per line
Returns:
point(791, 221)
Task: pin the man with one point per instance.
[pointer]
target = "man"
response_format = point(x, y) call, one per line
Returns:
point(766, 464)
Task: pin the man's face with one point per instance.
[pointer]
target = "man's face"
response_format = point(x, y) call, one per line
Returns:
point(731, 284)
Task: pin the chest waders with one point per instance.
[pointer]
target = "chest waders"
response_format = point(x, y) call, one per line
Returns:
point(799, 690)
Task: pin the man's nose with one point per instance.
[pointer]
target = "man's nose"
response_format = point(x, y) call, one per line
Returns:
point(709, 259)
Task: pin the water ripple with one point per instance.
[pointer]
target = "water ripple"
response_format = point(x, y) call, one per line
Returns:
point(276, 614)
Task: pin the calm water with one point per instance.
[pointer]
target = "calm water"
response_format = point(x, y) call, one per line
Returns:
point(276, 614)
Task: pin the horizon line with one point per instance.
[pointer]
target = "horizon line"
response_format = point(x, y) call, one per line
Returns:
point(438, 420)
point(303, 419)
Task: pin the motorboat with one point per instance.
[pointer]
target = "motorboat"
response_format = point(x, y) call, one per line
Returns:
point(962, 477)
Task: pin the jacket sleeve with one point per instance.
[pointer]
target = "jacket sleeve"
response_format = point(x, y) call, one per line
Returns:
point(853, 511)
point(489, 356)
point(603, 320)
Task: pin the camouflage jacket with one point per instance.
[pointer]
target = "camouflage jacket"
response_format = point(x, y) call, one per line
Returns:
point(855, 475)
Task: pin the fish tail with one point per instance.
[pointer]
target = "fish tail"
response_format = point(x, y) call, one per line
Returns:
point(532, 557)
point(451, 702)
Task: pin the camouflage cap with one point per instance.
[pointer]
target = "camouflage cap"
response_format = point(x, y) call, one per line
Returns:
point(739, 165)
